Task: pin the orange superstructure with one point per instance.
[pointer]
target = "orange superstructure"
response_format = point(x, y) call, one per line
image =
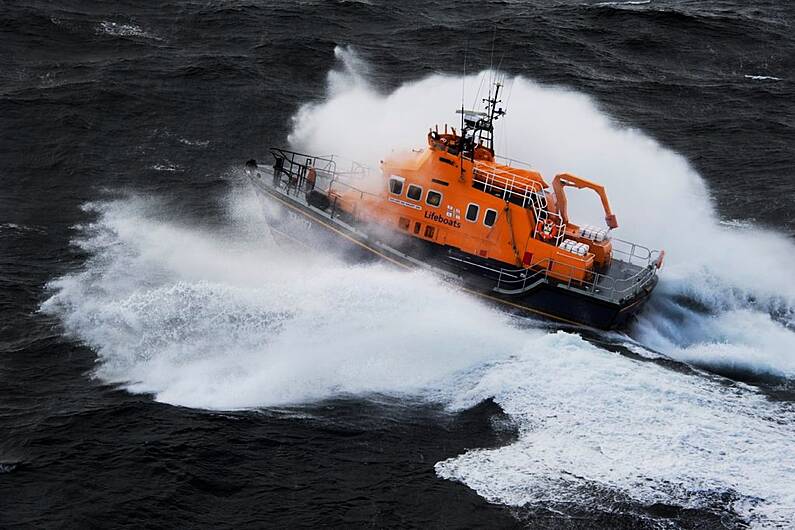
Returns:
point(454, 194)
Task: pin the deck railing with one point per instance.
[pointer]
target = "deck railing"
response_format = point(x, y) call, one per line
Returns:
point(599, 284)
point(519, 189)
point(291, 170)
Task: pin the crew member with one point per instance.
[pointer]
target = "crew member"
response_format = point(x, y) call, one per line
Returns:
point(311, 177)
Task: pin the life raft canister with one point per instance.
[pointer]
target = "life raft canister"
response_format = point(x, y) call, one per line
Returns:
point(546, 229)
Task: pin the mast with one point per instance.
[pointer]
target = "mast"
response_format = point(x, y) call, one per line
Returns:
point(478, 127)
point(493, 113)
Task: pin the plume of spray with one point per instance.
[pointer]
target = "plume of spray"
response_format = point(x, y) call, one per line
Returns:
point(660, 200)
point(229, 320)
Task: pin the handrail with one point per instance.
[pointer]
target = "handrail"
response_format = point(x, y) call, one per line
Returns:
point(497, 179)
point(597, 283)
point(650, 256)
point(298, 166)
point(512, 162)
point(284, 152)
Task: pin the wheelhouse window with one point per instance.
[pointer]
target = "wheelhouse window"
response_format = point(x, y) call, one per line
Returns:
point(396, 184)
point(434, 198)
point(473, 210)
point(414, 193)
point(490, 217)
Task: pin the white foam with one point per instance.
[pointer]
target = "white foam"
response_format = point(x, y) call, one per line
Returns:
point(194, 143)
point(124, 30)
point(166, 167)
point(596, 428)
point(628, 3)
point(762, 77)
point(201, 320)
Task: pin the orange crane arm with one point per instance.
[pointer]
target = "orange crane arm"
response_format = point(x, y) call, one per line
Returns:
point(567, 179)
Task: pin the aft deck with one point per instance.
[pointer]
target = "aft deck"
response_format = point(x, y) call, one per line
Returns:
point(632, 270)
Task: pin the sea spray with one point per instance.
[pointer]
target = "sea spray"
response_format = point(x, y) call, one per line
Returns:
point(203, 320)
point(660, 201)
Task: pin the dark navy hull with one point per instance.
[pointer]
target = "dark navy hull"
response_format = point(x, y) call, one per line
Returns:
point(293, 219)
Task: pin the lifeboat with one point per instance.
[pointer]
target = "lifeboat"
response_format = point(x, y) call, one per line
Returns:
point(495, 227)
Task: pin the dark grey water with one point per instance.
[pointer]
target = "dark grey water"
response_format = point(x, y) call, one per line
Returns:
point(140, 112)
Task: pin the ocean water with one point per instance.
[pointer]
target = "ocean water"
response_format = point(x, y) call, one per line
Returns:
point(164, 361)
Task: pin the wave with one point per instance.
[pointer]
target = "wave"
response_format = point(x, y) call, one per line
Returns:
point(194, 143)
point(627, 3)
point(762, 77)
point(116, 29)
point(166, 167)
point(14, 227)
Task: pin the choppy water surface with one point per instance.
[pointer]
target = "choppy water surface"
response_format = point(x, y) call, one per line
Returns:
point(166, 362)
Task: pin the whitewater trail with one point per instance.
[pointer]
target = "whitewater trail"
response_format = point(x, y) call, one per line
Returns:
point(228, 319)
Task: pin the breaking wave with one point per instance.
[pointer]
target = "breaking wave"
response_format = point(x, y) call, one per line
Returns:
point(762, 77)
point(227, 318)
point(232, 320)
point(116, 29)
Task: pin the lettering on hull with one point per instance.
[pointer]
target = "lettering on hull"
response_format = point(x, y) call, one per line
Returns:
point(404, 203)
point(441, 219)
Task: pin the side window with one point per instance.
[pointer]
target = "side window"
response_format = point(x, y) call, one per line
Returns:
point(414, 193)
point(396, 184)
point(472, 212)
point(434, 198)
point(490, 217)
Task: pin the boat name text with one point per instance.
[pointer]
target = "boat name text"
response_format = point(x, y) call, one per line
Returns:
point(441, 219)
point(404, 203)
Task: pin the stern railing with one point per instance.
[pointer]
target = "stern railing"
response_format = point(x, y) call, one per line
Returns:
point(597, 284)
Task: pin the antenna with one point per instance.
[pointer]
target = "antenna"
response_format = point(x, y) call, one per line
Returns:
point(491, 60)
point(462, 139)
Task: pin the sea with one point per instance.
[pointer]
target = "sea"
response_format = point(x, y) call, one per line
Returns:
point(166, 362)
